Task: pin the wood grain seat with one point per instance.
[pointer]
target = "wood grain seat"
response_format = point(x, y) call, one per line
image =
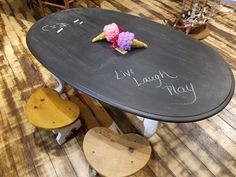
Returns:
point(115, 155)
point(45, 109)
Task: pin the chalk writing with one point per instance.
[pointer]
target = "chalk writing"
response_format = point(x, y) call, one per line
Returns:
point(123, 74)
point(149, 79)
point(59, 30)
point(75, 21)
point(160, 79)
point(59, 27)
point(44, 28)
point(157, 77)
point(163, 74)
point(188, 88)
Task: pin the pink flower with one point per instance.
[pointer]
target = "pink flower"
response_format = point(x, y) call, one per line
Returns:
point(111, 31)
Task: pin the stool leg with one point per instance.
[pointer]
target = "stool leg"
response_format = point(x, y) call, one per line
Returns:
point(41, 8)
point(64, 132)
point(150, 126)
point(88, 3)
point(99, 3)
point(115, 128)
point(93, 173)
point(61, 84)
point(66, 3)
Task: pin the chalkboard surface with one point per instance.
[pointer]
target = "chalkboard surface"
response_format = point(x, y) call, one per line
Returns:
point(175, 79)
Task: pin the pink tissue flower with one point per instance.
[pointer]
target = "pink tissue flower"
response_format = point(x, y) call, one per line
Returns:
point(111, 31)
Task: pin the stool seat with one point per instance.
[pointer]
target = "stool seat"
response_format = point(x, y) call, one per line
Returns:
point(115, 155)
point(45, 109)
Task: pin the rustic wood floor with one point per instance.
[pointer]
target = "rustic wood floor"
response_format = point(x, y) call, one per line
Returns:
point(201, 149)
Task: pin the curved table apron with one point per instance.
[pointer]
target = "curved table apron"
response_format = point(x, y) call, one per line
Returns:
point(176, 79)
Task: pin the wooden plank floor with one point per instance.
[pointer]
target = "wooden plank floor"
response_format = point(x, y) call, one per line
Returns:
point(201, 149)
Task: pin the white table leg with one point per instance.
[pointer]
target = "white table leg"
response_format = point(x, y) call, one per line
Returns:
point(63, 133)
point(150, 126)
point(61, 84)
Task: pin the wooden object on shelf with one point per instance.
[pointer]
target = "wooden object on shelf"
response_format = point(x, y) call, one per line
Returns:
point(202, 34)
point(65, 5)
point(115, 155)
point(45, 109)
point(194, 21)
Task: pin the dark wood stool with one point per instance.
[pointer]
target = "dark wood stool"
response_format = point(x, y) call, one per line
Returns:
point(64, 5)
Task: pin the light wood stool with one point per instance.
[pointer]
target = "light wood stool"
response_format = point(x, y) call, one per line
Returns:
point(45, 109)
point(115, 155)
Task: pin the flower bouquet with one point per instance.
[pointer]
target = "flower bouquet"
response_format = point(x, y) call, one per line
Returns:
point(121, 40)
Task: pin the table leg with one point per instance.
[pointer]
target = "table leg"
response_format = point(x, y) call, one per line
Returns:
point(150, 126)
point(61, 84)
point(63, 133)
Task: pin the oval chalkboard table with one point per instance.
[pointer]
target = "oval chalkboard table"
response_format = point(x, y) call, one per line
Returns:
point(176, 79)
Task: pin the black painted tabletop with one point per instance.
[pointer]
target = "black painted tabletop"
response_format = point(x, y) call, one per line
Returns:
point(175, 79)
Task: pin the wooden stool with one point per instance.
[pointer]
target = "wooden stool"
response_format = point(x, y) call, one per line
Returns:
point(96, 2)
point(115, 155)
point(42, 3)
point(45, 109)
